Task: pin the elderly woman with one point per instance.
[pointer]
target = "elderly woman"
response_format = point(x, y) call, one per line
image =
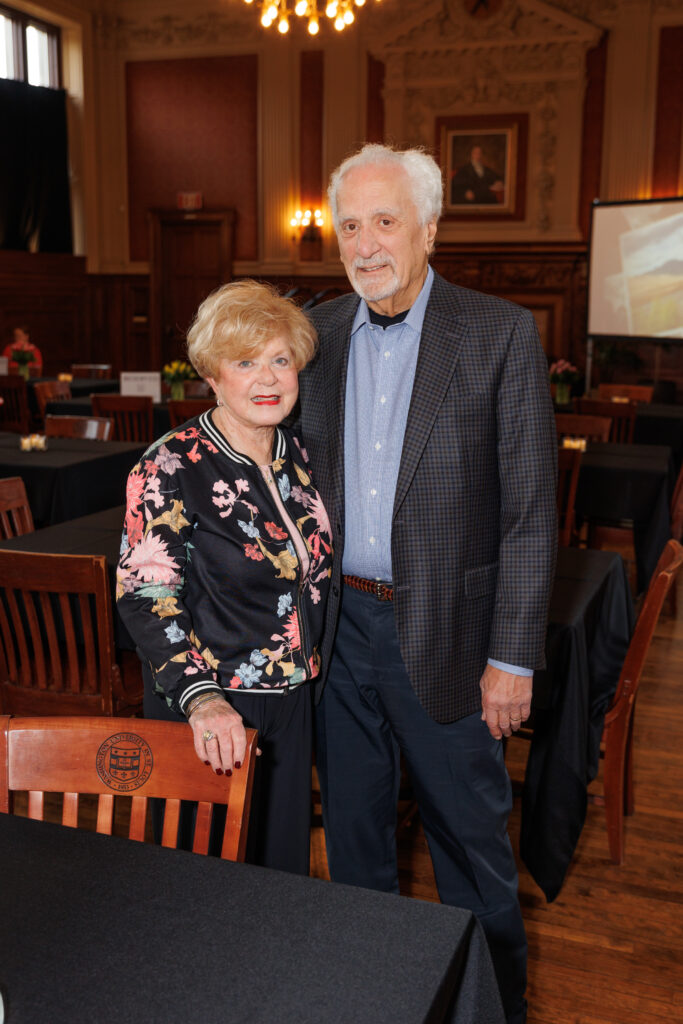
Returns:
point(225, 562)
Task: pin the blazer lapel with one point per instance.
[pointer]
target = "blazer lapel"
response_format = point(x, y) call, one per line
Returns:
point(441, 343)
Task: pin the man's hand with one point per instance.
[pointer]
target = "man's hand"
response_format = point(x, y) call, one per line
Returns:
point(505, 700)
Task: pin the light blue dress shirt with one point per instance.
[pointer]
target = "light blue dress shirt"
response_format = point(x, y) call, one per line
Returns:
point(379, 385)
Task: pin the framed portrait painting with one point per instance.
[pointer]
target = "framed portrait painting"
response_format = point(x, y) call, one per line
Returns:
point(483, 160)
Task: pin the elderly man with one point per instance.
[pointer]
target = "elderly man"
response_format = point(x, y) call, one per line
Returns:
point(429, 424)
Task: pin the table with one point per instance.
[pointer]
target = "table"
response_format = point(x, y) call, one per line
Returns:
point(72, 478)
point(590, 624)
point(83, 407)
point(99, 928)
point(634, 482)
point(79, 386)
point(591, 619)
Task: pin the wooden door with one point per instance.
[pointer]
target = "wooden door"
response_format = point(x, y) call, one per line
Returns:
point(191, 255)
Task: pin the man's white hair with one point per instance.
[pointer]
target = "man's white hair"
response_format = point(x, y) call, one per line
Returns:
point(422, 169)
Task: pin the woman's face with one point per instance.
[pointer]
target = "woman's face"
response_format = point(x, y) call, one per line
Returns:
point(261, 389)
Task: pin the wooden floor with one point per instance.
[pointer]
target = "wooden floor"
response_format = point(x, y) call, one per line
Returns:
point(609, 950)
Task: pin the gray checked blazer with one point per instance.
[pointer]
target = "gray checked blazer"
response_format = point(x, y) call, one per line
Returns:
point(474, 531)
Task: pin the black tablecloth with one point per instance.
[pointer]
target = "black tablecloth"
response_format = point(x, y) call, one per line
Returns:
point(83, 407)
point(72, 478)
point(634, 482)
point(96, 928)
point(657, 423)
point(590, 623)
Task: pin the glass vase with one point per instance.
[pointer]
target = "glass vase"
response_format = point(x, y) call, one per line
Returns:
point(177, 390)
point(22, 370)
point(563, 393)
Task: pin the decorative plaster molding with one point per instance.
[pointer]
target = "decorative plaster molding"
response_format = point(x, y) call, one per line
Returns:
point(166, 30)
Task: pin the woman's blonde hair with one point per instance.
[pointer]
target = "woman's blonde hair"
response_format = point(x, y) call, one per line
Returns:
point(239, 318)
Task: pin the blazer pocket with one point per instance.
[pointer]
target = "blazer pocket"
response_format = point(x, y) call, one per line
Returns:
point(482, 581)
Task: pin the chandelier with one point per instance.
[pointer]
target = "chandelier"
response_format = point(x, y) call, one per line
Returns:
point(340, 12)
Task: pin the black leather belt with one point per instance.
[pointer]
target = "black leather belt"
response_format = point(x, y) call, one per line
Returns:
point(382, 591)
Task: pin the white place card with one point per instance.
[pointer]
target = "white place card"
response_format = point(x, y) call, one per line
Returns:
point(141, 384)
point(4, 365)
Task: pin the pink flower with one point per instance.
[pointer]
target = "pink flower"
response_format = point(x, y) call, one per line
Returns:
point(252, 551)
point(275, 532)
point(150, 559)
point(291, 631)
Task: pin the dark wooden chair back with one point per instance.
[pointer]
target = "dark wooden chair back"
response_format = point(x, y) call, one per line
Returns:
point(132, 415)
point(14, 411)
point(622, 414)
point(94, 371)
point(75, 756)
point(182, 409)
point(677, 508)
point(593, 428)
point(16, 517)
point(635, 392)
point(57, 638)
point(91, 428)
point(568, 468)
point(617, 736)
point(50, 391)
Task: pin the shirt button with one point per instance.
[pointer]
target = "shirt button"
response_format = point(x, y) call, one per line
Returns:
point(387, 354)
point(373, 492)
point(372, 540)
point(378, 446)
point(383, 399)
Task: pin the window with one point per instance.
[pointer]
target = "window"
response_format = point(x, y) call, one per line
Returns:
point(29, 49)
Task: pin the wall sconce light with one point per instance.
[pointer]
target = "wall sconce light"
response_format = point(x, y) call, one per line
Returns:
point(307, 225)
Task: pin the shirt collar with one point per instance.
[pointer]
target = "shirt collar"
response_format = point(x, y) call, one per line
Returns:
point(416, 314)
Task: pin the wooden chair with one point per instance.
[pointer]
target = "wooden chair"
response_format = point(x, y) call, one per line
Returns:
point(50, 391)
point(16, 517)
point(568, 468)
point(622, 414)
point(182, 409)
point(635, 392)
point(593, 428)
point(91, 428)
point(57, 637)
point(132, 415)
point(75, 756)
point(14, 411)
point(95, 371)
point(617, 735)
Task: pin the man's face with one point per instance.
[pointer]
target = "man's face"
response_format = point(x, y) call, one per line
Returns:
point(382, 245)
point(476, 155)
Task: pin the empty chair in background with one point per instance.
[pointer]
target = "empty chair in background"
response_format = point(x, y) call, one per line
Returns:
point(50, 391)
point(182, 409)
point(132, 415)
point(90, 428)
point(592, 428)
point(14, 410)
point(622, 414)
point(95, 371)
point(634, 392)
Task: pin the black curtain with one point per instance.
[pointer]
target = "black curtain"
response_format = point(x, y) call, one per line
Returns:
point(34, 183)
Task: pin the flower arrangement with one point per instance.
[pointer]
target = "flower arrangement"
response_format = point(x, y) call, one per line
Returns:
point(175, 374)
point(563, 372)
point(22, 353)
point(178, 371)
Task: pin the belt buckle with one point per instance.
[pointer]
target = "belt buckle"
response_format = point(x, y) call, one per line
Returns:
point(380, 590)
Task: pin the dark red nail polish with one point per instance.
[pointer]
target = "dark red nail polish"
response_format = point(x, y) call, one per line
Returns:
point(207, 763)
point(238, 764)
point(228, 771)
point(219, 771)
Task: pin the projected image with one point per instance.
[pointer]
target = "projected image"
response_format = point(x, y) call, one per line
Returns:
point(636, 276)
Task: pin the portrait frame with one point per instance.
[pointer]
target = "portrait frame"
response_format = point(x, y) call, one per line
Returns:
point(496, 188)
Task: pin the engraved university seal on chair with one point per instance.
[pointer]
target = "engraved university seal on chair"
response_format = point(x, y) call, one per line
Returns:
point(124, 762)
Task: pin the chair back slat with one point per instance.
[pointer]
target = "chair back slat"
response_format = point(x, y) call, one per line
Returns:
point(132, 415)
point(134, 759)
point(16, 518)
point(572, 424)
point(57, 649)
point(88, 428)
point(105, 814)
point(138, 818)
point(36, 804)
point(70, 810)
point(14, 411)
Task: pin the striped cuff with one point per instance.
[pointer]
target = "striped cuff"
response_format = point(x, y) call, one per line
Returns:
point(197, 689)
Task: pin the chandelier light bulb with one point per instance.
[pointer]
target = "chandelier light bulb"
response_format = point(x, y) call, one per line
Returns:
point(301, 8)
point(348, 17)
point(283, 26)
point(331, 9)
point(339, 23)
point(359, 3)
point(313, 26)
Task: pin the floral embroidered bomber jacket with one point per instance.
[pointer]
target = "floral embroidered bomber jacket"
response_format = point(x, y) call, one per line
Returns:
point(209, 583)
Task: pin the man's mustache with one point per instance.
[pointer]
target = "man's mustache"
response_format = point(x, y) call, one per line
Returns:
point(373, 262)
